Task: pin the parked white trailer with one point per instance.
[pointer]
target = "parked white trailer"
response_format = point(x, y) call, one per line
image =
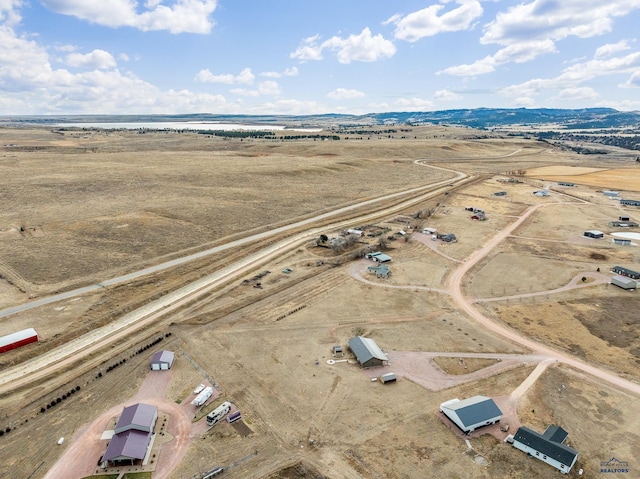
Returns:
point(203, 397)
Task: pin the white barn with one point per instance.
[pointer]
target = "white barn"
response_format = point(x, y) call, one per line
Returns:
point(162, 360)
point(472, 413)
point(547, 447)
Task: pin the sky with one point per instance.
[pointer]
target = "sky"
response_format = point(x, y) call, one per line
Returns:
point(298, 57)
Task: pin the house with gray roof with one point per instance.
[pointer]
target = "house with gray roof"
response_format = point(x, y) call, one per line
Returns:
point(549, 447)
point(367, 352)
point(472, 413)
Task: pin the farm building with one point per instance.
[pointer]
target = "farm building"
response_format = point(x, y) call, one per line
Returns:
point(541, 193)
point(566, 183)
point(630, 202)
point(610, 193)
point(622, 271)
point(337, 351)
point(472, 413)
point(623, 224)
point(139, 417)
point(429, 231)
point(594, 234)
point(388, 378)
point(378, 257)
point(162, 360)
point(548, 447)
point(381, 271)
point(621, 241)
point(367, 351)
point(133, 434)
point(624, 282)
point(18, 339)
point(447, 238)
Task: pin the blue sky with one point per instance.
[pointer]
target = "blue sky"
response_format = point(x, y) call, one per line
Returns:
point(302, 57)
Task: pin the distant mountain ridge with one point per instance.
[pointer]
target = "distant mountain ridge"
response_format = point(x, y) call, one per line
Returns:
point(588, 118)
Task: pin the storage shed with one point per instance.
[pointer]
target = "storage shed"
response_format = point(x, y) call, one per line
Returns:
point(378, 257)
point(162, 360)
point(472, 413)
point(547, 447)
point(630, 202)
point(621, 241)
point(367, 352)
point(388, 378)
point(624, 282)
point(594, 234)
point(18, 339)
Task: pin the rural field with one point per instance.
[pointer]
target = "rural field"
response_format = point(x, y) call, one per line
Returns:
point(524, 314)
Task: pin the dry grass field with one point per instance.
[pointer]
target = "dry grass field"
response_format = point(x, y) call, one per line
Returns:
point(81, 207)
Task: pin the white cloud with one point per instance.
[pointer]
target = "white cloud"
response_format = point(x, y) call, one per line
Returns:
point(413, 104)
point(579, 93)
point(266, 88)
point(308, 49)
point(345, 94)
point(289, 72)
point(446, 95)
point(633, 81)
point(571, 79)
point(431, 21)
point(518, 53)
point(245, 77)
point(184, 16)
point(363, 47)
point(555, 20)
point(123, 57)
point(269, 88)
point(611, 49)
point(96, 59)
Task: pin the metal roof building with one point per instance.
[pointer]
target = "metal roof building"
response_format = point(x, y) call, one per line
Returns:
point(127, 446)
point(139, 417)
point(621, 270)
point(624, 282)
point(162, 360)
point(18, 339)
point(472, 413)
point(133, 433)
point(367, 351)
point(547, 447)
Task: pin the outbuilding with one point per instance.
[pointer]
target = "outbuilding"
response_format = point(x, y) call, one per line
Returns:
point(162, 360)
point(566, 183)
point(378, 257)
point(18, 339)
point(139, 417)
point(388, 378)
point(549, 447)
point(621, 241)
point(630, 202)
point(594, 234)
point(367, 352)
point(541, 193)
point(133, 433)
point(500, 193)
point(629, 273)
point(624, 282)
point(610, 193)
point(472, 413)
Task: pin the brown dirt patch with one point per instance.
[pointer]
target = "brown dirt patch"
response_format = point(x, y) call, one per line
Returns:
point(458, 366)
